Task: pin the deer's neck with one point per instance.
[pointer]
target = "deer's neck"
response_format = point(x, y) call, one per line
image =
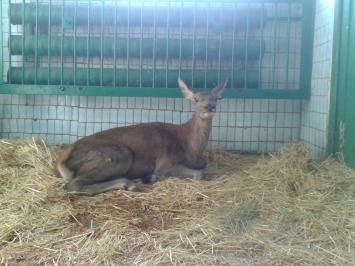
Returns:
point(198, 133)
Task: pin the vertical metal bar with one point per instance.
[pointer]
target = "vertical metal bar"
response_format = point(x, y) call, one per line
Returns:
point(141, 47)
point(180, 38)
point(233, 44)
point(167, 44)
point(306, 51)
point(75, 43)
point(246, 74)
point(193, 47)
point(88, 47)
point(274, 49)
point(332, 124)
point(278, 115)
point(154, 41)
point(288, 44)
point(128, 42)
point(23, 41)
point(62, 47)
point(102, 44)
point(246, 49)
point(233, 61)
point(207, 40)
point(49, 41)
point(114, 48)
point(36, 45)
point(261, 41)
point(2, 50)
point(220, 46)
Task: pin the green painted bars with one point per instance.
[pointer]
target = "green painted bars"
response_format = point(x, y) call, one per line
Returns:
point(139, 48)
point(110, 46)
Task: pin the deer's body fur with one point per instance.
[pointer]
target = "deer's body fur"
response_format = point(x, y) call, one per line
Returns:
point(151, 151)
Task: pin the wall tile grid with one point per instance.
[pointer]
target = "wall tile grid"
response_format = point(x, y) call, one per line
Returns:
point(314, 120)
point(248, 125)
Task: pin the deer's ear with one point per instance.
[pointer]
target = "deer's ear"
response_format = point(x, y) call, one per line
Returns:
point(219, 90)
point(186, 91)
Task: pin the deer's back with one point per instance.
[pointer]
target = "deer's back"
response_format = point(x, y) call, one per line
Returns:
point(148, 138)
point(148, 142)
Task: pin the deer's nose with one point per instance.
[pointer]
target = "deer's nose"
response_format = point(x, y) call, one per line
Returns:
point(210, 108)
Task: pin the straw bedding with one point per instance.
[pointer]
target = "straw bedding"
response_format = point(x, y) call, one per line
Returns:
point(280, 209)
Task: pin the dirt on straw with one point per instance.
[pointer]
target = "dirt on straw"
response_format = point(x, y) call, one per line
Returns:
point(280, 209)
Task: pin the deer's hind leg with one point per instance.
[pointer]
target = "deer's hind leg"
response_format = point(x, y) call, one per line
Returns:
point(80, 186)
point(100, 170)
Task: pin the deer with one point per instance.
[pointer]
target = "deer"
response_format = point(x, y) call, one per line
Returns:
point(111, 159)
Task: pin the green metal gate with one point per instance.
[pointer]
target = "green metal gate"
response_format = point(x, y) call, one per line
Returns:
point(140, 48)
point(342, 122)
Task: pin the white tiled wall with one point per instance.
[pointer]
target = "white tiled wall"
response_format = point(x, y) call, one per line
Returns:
point(315, 111)
point(249, 125)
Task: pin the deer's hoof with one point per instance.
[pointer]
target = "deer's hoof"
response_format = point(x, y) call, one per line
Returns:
point(136, 189)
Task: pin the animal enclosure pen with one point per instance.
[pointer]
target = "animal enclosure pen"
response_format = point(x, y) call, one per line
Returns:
point(68, 57)
point(72, 68)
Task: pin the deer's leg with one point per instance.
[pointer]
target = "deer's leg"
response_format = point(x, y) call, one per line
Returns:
point(80, 186)
point(179, 171)
point(100, 170)
point(199, 164)
point(185, 172)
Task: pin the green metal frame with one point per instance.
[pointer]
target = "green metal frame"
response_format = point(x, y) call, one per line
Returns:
point(302, 93)
point(341, 127)
point(332, 130)
point(1, 54)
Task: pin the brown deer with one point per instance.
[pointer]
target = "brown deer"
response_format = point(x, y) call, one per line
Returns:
point(110, 159)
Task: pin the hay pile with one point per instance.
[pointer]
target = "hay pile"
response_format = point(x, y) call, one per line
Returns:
point(283, 209)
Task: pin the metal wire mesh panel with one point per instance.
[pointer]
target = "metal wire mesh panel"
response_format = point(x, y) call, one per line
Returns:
point(140, 48)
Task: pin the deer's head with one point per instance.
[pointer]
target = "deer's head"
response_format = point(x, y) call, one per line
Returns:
point(205, 102)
